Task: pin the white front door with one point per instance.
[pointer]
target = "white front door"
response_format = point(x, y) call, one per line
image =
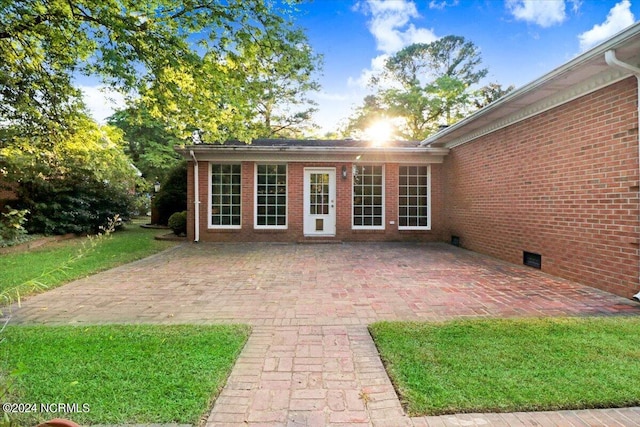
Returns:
point(319, 202)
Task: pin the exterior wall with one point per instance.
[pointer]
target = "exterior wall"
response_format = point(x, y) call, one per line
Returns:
point(295, 189)
point(563, 184)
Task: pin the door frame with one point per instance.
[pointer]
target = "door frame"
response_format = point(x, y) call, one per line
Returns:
point(309, 220)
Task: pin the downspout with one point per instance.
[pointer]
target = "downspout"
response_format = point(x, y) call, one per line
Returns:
point(612, 61)
point(196, 198)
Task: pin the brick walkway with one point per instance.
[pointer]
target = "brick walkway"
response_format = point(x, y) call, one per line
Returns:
point(310, 360)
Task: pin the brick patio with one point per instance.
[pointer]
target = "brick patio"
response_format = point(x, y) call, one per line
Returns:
point(310, 360)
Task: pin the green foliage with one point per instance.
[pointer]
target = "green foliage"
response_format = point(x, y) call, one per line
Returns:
point(172, 196)
point(489, 93)
point(423, 86)
point(178, 223)
point(500, 365)
point(142, 204)
point(73, 185)
point(281, 76)
point(190, 61)
point(126, 374)
point(12, 224)
point(149, 144)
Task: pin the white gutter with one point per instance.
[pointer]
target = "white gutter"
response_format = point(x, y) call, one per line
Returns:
point(612, 61)
point(196, 198)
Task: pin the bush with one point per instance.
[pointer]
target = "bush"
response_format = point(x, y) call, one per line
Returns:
point(178, 223)
point(79, 206)
point(172, 196)
point(72, 180)
point(12, 225)
point(142, 204)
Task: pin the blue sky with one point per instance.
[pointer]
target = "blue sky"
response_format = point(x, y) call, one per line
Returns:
point(520, 40)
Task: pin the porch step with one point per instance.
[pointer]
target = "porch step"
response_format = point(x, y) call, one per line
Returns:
point(319, 240)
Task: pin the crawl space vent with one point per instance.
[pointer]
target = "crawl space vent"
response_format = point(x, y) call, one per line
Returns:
point(532, 260)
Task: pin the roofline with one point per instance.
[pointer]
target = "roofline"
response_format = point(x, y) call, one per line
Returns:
point(403, 155)
point(209, 148)
point(595, 52)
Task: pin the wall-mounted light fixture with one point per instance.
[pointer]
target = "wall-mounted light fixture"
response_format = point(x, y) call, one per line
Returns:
point(156, 186)
point(344, 171)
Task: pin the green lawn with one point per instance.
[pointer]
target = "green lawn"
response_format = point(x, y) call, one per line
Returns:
point(50, 265)
point(121, 374)
point(512, 365)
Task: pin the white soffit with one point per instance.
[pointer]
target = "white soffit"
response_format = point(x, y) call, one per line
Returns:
point(584, 74)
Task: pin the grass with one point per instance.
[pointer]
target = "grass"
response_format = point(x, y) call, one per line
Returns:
point(121, 374)
point(512, 365)
point(51, 267)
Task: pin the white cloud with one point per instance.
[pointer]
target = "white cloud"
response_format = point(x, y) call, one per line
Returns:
point(435, 4)
point(101, 101)
point(619, 17)
point(543, 13)
point(331, 96)
point(377, 65)
point(391, 27)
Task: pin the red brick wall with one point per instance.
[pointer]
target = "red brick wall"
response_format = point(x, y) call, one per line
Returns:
point(563, 184)
point(295, 189)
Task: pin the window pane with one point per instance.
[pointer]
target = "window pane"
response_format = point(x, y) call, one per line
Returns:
point(413, 188)
point(225, 194)
point(368, 206)
point(272, 181)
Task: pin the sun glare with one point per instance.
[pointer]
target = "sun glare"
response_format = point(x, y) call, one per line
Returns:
point(379, 132)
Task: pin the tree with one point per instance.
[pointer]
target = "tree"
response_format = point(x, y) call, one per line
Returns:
point(365, 116)
point(257, 90)
point(172, 196)
point(428, 84)
point(148, 142)
point(281, 81)
point(490, 93)
point(153, 48)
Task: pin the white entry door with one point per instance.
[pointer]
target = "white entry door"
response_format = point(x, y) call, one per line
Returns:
point(319, 202)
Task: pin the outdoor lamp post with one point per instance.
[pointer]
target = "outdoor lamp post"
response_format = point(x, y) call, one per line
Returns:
point(154, 210)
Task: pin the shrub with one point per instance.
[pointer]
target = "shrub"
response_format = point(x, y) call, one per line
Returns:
point(172, 196)
point(74, 206)
point(12, 224)
point(178, 223)
point(142, 204)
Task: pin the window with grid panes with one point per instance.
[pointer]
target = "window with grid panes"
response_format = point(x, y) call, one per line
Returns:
point(271, 196)
point(413, 197)
point(225, 195)
point(368, 201)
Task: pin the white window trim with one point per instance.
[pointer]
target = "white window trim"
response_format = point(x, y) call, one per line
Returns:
point(428, 226)
point(255, 199)
point(384, 202)
point(210, 225)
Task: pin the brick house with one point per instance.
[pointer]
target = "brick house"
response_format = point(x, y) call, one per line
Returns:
point(548, 175)
point(289, 190)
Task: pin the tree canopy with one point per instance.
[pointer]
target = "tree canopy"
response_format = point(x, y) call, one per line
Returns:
point(148, 142)
point(424, 86)
point(189, 59)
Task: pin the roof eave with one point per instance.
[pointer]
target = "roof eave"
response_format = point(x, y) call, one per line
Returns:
point(304, 154)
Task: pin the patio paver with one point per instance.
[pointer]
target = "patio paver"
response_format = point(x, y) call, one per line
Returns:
point(310, 360)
